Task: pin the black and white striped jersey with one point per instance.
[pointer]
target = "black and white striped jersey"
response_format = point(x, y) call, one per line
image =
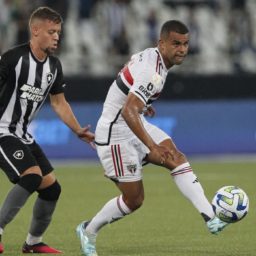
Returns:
point(24, 85)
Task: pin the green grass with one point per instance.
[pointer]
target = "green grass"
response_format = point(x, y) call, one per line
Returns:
point(167, 224)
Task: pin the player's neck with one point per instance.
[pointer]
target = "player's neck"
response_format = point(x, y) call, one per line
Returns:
point(37, 51)
point(166, 61)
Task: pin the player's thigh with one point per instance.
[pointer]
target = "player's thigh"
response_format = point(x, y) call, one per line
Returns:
point(156, 133)
point(15, 157)
point(45, 166)
point(162, 138)
point(41, 159)
point(47, 181)
point(131, 189)
point(122, 162)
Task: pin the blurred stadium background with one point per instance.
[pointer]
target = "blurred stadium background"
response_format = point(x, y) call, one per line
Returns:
point(208, 105)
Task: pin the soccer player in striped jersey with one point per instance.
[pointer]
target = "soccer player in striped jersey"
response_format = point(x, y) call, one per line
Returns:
point(28, 73)
point(125, 140)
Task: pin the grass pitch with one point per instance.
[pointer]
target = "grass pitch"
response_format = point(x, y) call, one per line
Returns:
point(167, 224)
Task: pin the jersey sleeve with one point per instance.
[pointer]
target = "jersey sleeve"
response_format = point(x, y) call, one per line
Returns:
point(59, 83)
point(3, 70)
point(147, 84)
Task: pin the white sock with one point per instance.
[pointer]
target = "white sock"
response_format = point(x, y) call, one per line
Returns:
point(191, 188)
point(31, 240)
point(113, 210)
point(1, 231)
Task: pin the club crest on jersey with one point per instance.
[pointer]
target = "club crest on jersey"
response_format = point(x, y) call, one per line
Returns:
point(19, 154)
point(132, 168)
point(49, 78)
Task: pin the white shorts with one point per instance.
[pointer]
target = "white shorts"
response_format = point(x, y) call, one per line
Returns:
point(123, 161)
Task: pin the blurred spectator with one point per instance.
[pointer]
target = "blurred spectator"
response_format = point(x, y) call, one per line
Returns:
point(85, 8)
point(5, 16)
point(222, 31)
point(152, 26)
point(21, 9)
point(121, 44)
point(241, 31)
point(61, 6)
point(194, 32)
point(116, 16)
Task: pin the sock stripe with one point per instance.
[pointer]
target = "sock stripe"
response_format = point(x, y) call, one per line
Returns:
point(119, 206)
point(182, 171)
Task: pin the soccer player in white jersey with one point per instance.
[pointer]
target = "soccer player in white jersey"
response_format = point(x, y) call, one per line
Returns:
point(126, 140)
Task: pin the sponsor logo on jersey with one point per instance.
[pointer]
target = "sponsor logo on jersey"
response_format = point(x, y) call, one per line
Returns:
point(49, 78)
point(19, 154)
point(144, 91)
point(32, 93)
point(150, 87)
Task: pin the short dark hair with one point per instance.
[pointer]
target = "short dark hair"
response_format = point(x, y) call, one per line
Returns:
point(46, 13)
point(173, 26)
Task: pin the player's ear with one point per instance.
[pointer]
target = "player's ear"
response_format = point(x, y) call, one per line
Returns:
point(34, 28)
point(161, 43)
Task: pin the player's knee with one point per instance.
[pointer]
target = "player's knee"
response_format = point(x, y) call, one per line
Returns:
point(177, 158)
point(134, 203)
point(138, 203)
point(51, 193)
point(30, 182)
point(180, 156)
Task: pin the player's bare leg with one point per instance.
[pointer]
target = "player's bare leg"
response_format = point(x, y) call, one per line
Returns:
point(188, 184)
point(117, 208)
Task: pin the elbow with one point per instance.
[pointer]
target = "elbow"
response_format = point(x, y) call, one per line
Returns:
point(129, 113)
point(54, 106)
point(123, 114)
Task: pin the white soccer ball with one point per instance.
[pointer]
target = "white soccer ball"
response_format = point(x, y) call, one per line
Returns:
point(230, 204)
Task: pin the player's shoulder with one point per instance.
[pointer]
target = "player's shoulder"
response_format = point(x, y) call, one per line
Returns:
point(149, 54)
point(151, 58)
point(15, 53)
point(55, 61)
point(147, 58)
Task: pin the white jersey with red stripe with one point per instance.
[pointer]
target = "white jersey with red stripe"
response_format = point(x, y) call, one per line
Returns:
point(144, 76)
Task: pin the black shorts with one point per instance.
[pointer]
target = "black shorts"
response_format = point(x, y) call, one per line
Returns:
point(16, 157)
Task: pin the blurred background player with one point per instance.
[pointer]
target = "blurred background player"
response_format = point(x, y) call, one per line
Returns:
point(126, 140)
point(28, 73)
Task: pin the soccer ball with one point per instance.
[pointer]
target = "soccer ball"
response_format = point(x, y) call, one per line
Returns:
point(230, 204)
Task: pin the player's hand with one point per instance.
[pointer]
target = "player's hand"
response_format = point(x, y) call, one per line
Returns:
point(159, 154)
point(150, 111)
point(86, 135)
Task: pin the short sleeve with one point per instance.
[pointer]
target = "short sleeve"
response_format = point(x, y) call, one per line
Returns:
point(59, 83)
point(146, 85)
point(3, 69)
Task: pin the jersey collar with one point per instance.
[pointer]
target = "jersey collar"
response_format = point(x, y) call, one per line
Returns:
point(158, 52)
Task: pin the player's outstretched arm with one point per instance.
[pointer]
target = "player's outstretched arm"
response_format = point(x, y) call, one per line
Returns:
point(149, 111)
point(65, 113)
point(131, 113)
